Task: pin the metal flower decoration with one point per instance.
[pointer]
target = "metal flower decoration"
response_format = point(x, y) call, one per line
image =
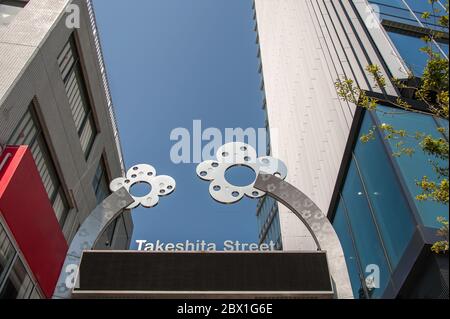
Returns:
point(229, 156)
point(160, 185)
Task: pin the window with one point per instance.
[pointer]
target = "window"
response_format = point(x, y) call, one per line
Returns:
point(18, 284)
point(7, 253)
point(415, 167)
point(375, 216)
point(101, 182)
point(343, 231)
point(364, 229)
point(405, 26)
point(15, 282)
point(9, 9)
point(393, 10)
point(392, 214)
point(409, 47)
point(269, 222)
point(408, 12)
point(29, 132)
point(71, 71)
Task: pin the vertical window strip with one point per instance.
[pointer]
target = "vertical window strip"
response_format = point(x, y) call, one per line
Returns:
point(14, 269)
point(87, 136)
point(100, 182)
point(71, 73)
point(29, 132)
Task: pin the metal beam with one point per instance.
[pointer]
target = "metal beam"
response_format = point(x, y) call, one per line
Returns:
point(87, 237)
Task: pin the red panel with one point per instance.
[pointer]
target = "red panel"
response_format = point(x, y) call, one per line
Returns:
point(25, 207)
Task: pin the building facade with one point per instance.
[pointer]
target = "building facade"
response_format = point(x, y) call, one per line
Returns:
point(55, 99)
point(305, 47)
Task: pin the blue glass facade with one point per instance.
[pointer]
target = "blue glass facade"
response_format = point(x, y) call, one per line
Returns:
point(377, 215)
point(412, 167)
point(409, 11)
point(408, 43)
point(267, 212)
point(269, 222)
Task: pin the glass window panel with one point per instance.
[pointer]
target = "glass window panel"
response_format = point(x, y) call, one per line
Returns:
point(100, 183)
point(87, 136)
point(71, 86)
point(444, 47)
point(340, 224)
point(72, 76)
point(60, 207)
point(48, 173)
point(79, 112)
point(17, 135)
point(443, 123)
point(415, 167)
point(409, 48)
point(63, 56)
point(103, 190)
point(367, 240)
point(394, 10)
point(392, 213)
point(409, 13)
point(421, 6)
point(7, 253)
point(18, 285)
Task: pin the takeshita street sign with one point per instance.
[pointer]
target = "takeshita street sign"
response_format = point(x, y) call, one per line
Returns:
point(270, 174)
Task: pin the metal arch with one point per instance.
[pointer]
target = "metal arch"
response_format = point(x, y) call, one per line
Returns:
point(317, 223)
point(87, 236)
point(101, 217)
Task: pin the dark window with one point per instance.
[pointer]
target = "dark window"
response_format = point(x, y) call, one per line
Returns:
point(7, 253)
point(18, 284)
point(71, 71)
point(15, 282)
point(29, 132)
point(101, 182)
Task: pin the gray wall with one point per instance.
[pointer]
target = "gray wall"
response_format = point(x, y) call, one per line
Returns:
point(29, 48)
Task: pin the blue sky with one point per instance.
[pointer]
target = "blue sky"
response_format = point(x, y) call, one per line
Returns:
point(171, 62)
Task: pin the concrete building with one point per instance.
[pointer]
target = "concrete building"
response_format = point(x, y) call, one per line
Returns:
point(305, 47)
point(55, 99)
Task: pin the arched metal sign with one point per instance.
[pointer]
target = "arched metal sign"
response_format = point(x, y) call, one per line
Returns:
point(270, 174)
